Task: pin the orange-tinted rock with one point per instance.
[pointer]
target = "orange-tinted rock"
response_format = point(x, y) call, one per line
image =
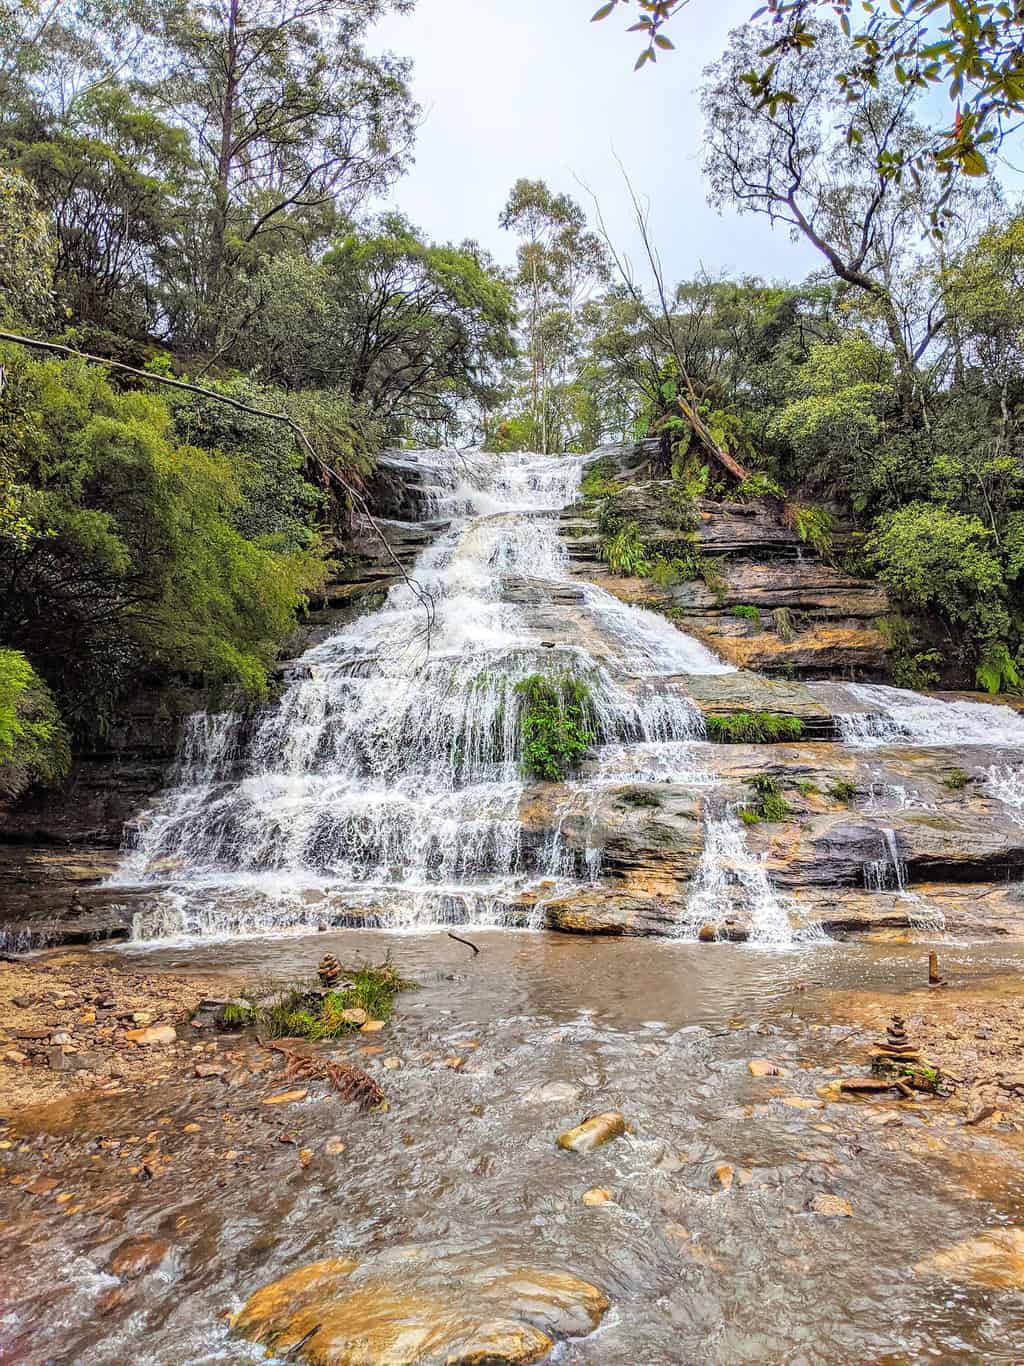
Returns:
point(137, 1256)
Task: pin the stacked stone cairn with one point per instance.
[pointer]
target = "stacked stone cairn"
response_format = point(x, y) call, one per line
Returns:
point(329, 972)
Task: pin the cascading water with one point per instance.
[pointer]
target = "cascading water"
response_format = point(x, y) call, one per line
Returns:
point(895, 716)
point(386, 785)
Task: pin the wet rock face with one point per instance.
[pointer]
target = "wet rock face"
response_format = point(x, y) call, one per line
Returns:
point(339, 1312)
point(828, 622)
point(994, 1259)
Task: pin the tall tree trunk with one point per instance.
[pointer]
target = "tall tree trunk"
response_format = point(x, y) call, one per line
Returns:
point(217, 264)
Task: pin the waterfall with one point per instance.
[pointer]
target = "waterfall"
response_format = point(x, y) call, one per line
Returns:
point(730, 878)
point(889, 872)
point(385, 785)
point(895, 716)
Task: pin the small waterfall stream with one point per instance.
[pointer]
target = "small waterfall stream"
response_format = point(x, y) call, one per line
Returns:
point(386, 783)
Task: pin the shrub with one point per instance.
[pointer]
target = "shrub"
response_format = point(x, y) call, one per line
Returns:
point(768, 803)
point(33, 741)
point(556, 724)
point(812, 524)
point(305, 1011)
point(842, 792)
point(955, 780)
point(758, 485)
point(750, 614)
point(597, 481)
point(756, 728)
point(624, 552)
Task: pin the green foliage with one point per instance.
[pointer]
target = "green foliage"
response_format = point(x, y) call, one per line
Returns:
point(942, 562)
point(305, 1011)
point(812, 524)
point(625, 553)
point(27, 253)
point(33, 741)
point(667, 572)
point(748, 613)
point(996, 671)
point(556, 721)
point(758, 485)
point(955, 780)
point(756, 728)
point(806, 788)
point(843, 791)
point(139, 558)
point(767, 803)
point(597, 482)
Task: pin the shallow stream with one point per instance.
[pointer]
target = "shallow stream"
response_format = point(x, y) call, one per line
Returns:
point(464, 1163)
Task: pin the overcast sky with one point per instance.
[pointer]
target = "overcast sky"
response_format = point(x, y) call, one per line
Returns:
point(514, 88)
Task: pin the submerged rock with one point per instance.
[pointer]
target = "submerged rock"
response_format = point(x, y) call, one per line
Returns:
point(553, 1093)
point(339, 1313)
point(994, 1259)
point(593, 1132)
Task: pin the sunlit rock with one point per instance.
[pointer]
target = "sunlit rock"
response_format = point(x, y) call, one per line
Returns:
point(593, 1132)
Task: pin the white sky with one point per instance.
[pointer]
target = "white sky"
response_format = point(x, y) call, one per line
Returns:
point(531, 88)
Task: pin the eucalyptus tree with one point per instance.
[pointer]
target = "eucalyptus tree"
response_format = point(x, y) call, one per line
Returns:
point(792, 161)
point(972, 48)
point(290, 118)
point(559, 261)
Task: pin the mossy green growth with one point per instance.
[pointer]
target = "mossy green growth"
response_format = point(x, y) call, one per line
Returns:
point(806, 788)
point(625, 553)
point(597, 482)
point(756, 728)
point(747, 613)
point(304, 1011)
point(768, 803)
point(556, 722)
point(956, 780)
point(843, 792)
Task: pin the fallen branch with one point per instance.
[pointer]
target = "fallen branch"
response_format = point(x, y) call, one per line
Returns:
point(468, 943)
point(422, 596)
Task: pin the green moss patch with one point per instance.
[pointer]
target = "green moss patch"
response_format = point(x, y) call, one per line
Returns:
point(556, 723)
point(752, 728)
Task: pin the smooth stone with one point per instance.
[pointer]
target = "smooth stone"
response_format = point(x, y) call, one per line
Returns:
point(553, 1093)
point(593, 1132)
point(153, 1035)
point(338, 1313)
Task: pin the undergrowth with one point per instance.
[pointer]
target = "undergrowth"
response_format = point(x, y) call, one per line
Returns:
point(556, 723)
point(305, 1011)
point(756, 728)
point(767, 802)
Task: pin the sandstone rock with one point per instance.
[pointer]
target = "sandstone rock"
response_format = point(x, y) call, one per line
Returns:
point(593, 1132)
point(994, 1259)
point(42, 1185)
point(15, 1057)
point(192, 1129)
point(137, 1256)
point(832, 1206)
point(724, 1176)
point(336, 1313)
point(392, 1064)
point(355, 1015)
point(285, 1097)
point(210, 1069)
point(707, 934)
point(371, 1026)
point(153, 1036)
point(763, 1067)
point(1014, 1082)
point(597, 1195)
point(334, 1147)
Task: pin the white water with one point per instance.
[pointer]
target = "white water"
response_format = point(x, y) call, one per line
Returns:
point(896, 716)
point(387, 780)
